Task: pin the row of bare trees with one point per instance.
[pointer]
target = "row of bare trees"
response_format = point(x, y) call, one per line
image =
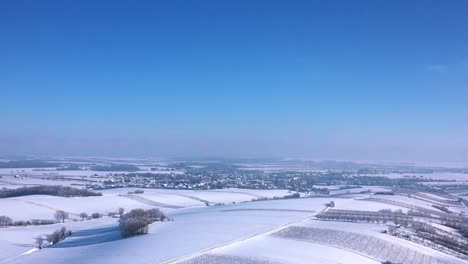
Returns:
point(53, 238)
point(59, 216)
point(6, 221)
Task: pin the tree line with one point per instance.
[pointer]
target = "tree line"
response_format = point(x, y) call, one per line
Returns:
point(57, 190)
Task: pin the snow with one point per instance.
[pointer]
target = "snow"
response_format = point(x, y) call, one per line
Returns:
point(437, 197)
point(212, 196)
point(292, 251)
point(11, 182)
point(258, 193)
point(194, 229)
point(18, 209)
point(363, 205)
point(277, 168)
point(89, 205)
point(408, 200)
point(44, 206)
point(18, 241)
point(435, 175)
point(374, 230)
point(241, 230)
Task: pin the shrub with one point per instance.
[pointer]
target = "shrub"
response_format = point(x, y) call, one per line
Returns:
point(290, 196)
point(21, 223)
point(136, 221)
point(96, 215)
point(42, 222)
point(58, 236)
point(134, 226)
point(136, 192)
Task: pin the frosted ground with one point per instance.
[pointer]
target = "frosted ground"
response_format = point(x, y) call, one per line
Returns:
point(425, 202)
point(240, 231)
point(43, 206)
point(272, 250)
point(193, 229)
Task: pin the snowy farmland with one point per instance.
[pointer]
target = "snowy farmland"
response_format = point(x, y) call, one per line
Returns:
point(43, 206)
point(212, 226)
point(270, 249)
point(371, 246)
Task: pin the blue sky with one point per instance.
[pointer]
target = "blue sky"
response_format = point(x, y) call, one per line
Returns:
point(372, 80)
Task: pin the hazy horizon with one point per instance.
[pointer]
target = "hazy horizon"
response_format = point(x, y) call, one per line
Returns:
point(368, 80)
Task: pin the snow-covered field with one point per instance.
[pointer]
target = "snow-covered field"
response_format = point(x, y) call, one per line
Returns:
point(16, 241)
point(240, 231)
point(435, 175)
point(271, 249)
point(375, 231)
point(381, 249)
point(362, 205)
point(19, 209)
point(44, 206)
point(193, 229)
point(422, 202)
point(11, 182)
point(277, 168)
point(354, 190)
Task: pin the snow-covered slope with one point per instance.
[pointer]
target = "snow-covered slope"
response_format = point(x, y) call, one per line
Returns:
point(245, 231)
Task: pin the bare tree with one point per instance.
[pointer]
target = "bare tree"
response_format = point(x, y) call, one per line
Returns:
point(121, 211)
point(5, 221)
point(39, 242)
point(83, 216)
point(58, 236)
point(54, 238)
point(62, 232)
point(155, 214)
point(61, 215)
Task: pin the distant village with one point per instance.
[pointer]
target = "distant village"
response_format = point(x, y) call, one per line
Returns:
point(217, 177)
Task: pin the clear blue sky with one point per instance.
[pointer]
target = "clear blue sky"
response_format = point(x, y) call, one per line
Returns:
point(373, 80)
